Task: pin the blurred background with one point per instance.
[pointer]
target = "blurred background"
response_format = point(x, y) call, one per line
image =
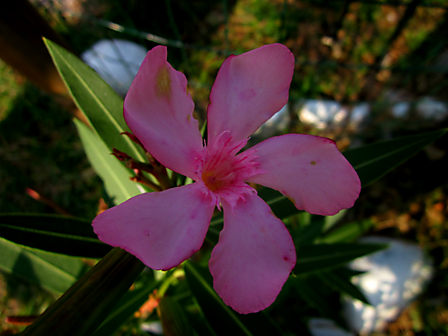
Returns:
point(366, 71)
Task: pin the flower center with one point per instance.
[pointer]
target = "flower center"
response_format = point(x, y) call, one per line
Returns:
point(212, 181)
point(223, 170)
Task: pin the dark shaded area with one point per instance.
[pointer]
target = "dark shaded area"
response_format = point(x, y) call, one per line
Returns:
point(41, 150)
point(427, 65)
point(192, 22)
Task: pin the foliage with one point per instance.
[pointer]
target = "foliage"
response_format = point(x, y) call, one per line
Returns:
point(187, 296)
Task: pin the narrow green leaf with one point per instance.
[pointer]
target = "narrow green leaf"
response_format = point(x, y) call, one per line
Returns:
point(348, 273)
point(115, 177)
point(308, 234)
point(310, 291)
point(125, 308)
point(173, 318)
point(58, 234)
point(280, 205)
point(72, 265)
point(96, 99)
point(315, 258)
point(43, 268)
point(331, 221)
point(374, 161)
point(347, 233)
point(82, 308)
point(198, 320)
point(223, 319)
point(340, 283)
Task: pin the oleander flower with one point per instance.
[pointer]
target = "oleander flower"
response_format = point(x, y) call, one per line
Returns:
point(255, 253)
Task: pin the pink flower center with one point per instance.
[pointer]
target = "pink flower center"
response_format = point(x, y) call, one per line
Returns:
point(212, 181)
point(223, 171)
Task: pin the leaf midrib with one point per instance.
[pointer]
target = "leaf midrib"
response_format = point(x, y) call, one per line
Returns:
point(107, 166)
point(100, 104)
point(334, 255)
point(51, 233)
point(379, 158)
point(29, 252)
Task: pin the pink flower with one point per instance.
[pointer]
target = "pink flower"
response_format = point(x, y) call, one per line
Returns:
point(255, 253)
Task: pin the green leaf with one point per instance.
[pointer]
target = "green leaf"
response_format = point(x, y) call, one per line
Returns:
point(309, 233)
point(174, 319)
point(310, 290)
point(96, 99)
point(223, 319)
point(125, 308)
point(58, 234)
point(54, 272)
point(374, 161)
point(198, 319)
point(114, 175)
point(348, 273)
point(331, 221)
point(337, 280)
point(315, 258)
point(280, 205)
point(82, 308)
point(347, 233)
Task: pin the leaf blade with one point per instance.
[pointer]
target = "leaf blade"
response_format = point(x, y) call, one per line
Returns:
point(349, 232)
point(95, 98)
point(34, 267)
point(114, 175)
point(339, 282)
point(315, 258)
point(373, 161)
point(53, 233)
point(125, 308)
point(308, 289)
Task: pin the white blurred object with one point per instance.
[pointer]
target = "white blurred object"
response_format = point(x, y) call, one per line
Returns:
point(275, 125)
point(324, 113)
point(321, 113)
point(325, 327)
point(430, 108)
point(359, 114)
point(427, 108)
point(154, 327)
point(401, 110)
point(116, 61)
point(393, 278)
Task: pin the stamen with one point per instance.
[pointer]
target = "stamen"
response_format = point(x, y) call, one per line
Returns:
point(223, 171)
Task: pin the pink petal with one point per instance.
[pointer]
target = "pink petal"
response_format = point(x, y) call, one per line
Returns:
point(159, 110)
point(309, 170)
point(248, 90)
point(253, 257)
point(162, 229)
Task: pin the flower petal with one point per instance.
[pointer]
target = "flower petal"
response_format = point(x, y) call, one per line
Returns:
point(162, 229)
point(309, 170)
point(248, 90)
point(159, 110)
point(253, 257)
